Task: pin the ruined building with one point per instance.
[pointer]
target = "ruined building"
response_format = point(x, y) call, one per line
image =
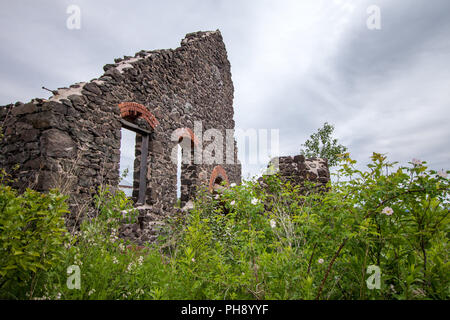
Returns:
point(183, 97)
point(72, 140)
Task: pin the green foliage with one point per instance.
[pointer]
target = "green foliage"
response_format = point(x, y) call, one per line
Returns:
point(276, 241)
point(113, 205)
point(322, 145)
point(32, 234)
point(108, 269)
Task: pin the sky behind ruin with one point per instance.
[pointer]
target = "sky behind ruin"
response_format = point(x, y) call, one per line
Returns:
point(295, 64)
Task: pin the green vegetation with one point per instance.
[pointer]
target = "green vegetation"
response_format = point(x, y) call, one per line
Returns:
point(251, 242)
point(322, 145)
point(32, 235)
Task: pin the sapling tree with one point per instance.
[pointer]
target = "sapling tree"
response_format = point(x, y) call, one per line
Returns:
point(322, 145)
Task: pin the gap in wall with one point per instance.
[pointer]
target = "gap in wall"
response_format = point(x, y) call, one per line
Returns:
point(179, 158)
point(127, 156)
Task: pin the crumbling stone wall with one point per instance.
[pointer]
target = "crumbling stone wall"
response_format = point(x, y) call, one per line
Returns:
point(72, 139)
point(298, 169)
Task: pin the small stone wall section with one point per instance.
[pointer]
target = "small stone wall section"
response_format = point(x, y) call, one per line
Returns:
point(297, 170)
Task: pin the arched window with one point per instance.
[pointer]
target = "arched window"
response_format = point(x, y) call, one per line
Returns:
point(186, 169)
point(130, 112)
point(127, 158)
point(218, 175)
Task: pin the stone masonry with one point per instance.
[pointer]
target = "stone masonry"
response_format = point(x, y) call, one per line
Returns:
point(298, 169)
point(72, 140)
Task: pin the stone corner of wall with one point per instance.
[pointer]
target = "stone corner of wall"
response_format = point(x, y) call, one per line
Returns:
point(195, 36)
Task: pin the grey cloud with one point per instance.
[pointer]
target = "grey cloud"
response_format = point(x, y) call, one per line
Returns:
point(295, 64)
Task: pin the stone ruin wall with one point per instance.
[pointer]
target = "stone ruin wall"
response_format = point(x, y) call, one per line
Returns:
point(72, 140)
point(298, 169)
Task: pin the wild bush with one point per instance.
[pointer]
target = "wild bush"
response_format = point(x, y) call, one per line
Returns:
point(32, 237)
point(380, 233)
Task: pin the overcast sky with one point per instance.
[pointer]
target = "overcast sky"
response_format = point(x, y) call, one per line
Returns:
point(295, 64)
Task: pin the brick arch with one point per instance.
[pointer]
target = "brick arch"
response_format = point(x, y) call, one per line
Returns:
point(181, 133)
point(218, 172)
point(135, 110)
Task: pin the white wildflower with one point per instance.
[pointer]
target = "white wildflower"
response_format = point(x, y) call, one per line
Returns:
point(320, 261)
point(77, 259)
point(233, 185)
point(130, 267)
point(273, 224)
point(140, 260)
point(416, 162)
point(114, 235)
point(114, 260)
point(442, 174)
point(91, 292)
point(387, 211)
point(255, 201)
point(139, 291)
point(193, 260)
point(232, 203)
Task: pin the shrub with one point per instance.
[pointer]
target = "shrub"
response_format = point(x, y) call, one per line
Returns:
point(32, 235)
point(276, 242)
point(273, 241)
